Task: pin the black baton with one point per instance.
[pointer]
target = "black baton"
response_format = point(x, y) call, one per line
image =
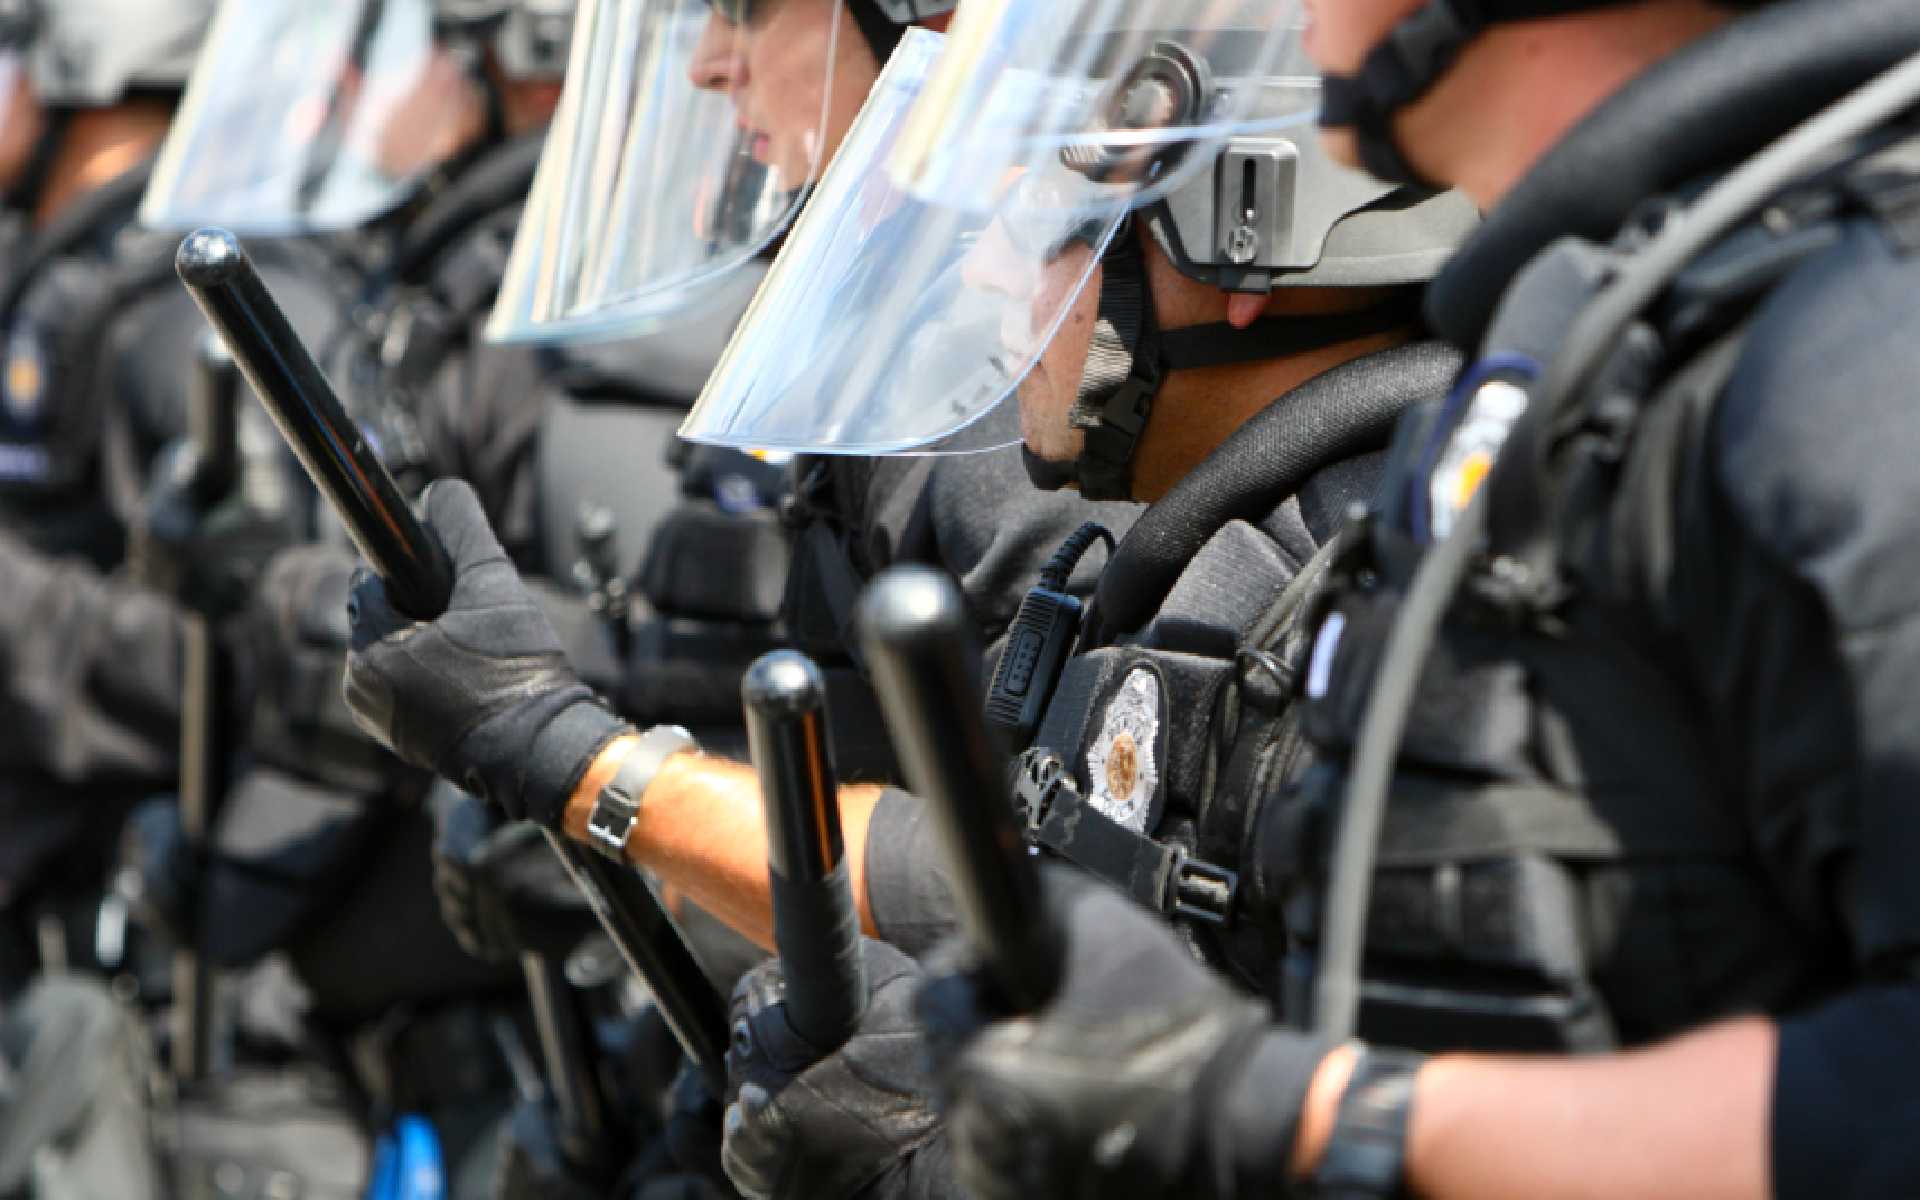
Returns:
point(206, 704)
point(328, 443)
point(419, 577)
point(815, 924)
point(926, 668)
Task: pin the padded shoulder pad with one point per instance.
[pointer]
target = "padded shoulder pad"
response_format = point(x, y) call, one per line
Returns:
point(1817, 436)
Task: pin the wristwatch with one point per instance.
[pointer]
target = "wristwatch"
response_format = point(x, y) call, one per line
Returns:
point(617, 806)
point(1366, 1154)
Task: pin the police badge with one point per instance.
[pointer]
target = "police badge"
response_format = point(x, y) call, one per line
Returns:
point(23, 385)
point(1123, 764)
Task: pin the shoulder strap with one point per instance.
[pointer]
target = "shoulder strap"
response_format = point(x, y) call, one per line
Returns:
point(1345, 412)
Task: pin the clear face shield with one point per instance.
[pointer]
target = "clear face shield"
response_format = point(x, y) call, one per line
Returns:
point(685, 142)
point(890, 324)
point(894, 322)
point(306, 117)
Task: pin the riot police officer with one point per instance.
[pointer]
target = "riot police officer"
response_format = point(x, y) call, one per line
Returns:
point(98, 363)
point(1338, 308)
point(1630, 614)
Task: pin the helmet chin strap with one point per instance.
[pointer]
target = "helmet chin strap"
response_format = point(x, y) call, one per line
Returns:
point(1405, 66)
point(882, 32)
point(1130, 357)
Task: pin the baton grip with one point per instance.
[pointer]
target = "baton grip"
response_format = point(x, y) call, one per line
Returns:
point(329, 444)
point(213, 421)
point(926, 668)
point(815, 923)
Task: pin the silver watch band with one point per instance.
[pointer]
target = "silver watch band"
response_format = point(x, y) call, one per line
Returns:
point(617, 806)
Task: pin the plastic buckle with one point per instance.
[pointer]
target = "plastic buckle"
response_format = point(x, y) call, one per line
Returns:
point(1038, 782)
point(1201, 891)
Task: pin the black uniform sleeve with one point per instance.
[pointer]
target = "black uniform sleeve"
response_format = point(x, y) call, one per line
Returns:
point(480, 421)
point(977, 515)
point(994, 531)
point(906, 887)
point(1799, 583)
point(91, 669)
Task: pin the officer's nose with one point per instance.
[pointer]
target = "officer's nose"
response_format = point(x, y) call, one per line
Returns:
point(719, 60)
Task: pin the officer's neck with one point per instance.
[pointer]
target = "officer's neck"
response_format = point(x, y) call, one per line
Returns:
point(1197, 410)
point(98, 146)
point(1522, 86)
point(525, 104)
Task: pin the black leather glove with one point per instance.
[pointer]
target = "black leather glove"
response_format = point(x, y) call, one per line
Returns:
point(482, 693)
point(1145, 1078)
point(292, 651)
point(857, 1122)
point(502, 891)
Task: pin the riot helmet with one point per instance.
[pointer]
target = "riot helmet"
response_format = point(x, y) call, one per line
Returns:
point(911, 299)
point(687, 139)
point(1413, 57)
point(58, 57)
point(93, 53)
point(306, 117)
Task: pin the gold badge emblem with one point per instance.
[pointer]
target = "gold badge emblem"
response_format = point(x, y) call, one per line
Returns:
point(1122, 764)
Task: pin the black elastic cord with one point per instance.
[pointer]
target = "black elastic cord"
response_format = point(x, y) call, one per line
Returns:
point(1060, 567)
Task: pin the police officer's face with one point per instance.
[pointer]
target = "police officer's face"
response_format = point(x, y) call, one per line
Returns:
point(427, 120)
point(774, 65)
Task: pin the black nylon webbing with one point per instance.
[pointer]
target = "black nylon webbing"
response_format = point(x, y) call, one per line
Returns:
point(1121, 378)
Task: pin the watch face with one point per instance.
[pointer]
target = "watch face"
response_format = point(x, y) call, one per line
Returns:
point(1123, 764)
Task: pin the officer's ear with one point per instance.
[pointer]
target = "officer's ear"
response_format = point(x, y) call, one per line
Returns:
point(1244, 309)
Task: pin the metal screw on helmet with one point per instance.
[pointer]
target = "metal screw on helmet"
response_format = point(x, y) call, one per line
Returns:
point(1170, 87)
point(1243, 244)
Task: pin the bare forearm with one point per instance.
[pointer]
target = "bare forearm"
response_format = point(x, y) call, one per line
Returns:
point(701, 830)
point(1689, 1118)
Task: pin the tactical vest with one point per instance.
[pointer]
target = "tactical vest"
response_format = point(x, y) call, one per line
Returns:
point(57, 300)
point(1563, 866)
point(1173, 725)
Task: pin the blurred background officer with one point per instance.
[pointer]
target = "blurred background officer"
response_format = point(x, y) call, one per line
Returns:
point(1648, 822)
point(401, 138)
point(98, 356)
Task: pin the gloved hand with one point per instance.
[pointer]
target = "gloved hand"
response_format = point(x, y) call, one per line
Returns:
point(501, 889)
point(857, 1122)
point(158, 877)
point(291, 647)
point(482, 693)
point(1145, 1078)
